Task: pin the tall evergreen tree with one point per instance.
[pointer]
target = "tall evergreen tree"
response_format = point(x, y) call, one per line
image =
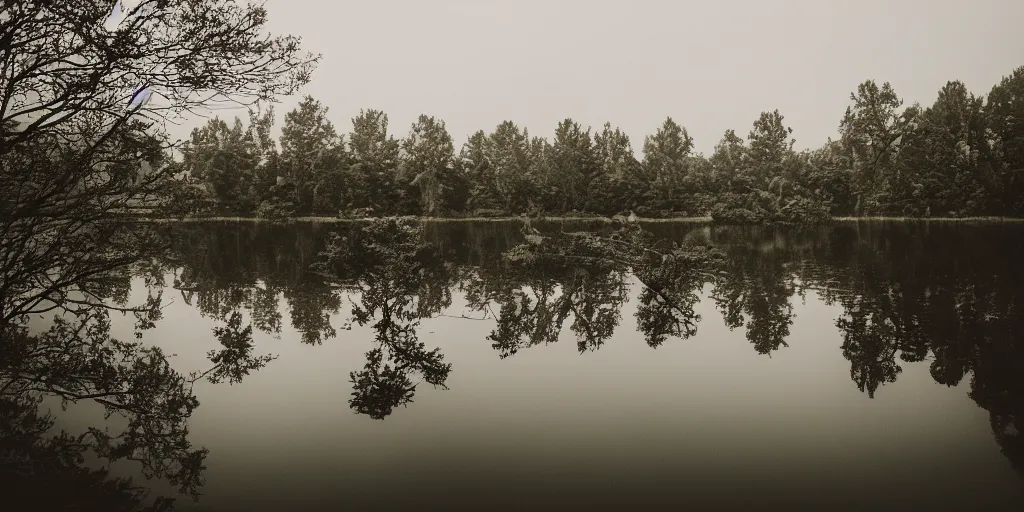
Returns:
point(428, 163)
point(574, 166)
point(947, 160)
point(665, 163)
point(374, 171)
point(311, 152)
point(1004, 119)
point(507, 175)
point(224, 160)
point(621, 183)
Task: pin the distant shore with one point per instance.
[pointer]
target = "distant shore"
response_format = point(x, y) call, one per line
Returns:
point(697, 220)
point(423, 219)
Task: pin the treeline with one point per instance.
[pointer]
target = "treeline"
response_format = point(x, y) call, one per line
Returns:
point(962, 156)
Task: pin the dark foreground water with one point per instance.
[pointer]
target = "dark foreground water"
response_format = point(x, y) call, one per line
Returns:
point(856, 367)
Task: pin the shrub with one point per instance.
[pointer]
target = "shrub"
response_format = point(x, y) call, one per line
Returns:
point(272, 210)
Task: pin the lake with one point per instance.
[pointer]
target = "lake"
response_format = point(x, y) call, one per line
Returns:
point(859, 366)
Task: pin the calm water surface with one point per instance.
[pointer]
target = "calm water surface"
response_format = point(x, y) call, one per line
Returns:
point(859, 367)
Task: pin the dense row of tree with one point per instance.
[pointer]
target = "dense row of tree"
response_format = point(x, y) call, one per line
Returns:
point(962, 156)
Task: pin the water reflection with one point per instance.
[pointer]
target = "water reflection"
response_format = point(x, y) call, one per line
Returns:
point(46, 470)
point(950, 296)
point(909, 293)
point(945, 296)
point(541, 283)
point(398, 280)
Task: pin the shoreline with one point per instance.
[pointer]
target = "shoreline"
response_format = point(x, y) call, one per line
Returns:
point(328, 220)
point(649, 220)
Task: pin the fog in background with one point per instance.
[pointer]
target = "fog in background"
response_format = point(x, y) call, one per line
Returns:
point(711, 65)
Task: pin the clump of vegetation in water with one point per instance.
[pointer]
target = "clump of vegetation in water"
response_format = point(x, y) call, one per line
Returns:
point(585, 275)
point(393, 272)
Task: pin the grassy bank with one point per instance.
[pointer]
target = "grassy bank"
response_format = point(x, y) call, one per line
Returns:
point(928, 219)
point(421, 219)
point(567, 219)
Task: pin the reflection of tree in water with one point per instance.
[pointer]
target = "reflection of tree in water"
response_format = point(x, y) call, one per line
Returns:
point(264, 312)
point(584, 274)
point(225, 267)
point(909, 294)
point(235, 359)
point(46, 470)
point(875, 329)
point(385, 266)
point(940, 294)
point(998, 387)
point(672, 278)
point(536, 293)
point(755, 288)
point(311, 307)
point(398, 279)
point(76, 358)
point(672, 289)
point(760, 302)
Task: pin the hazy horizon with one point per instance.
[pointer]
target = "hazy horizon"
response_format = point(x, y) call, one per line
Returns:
point(710, 66)
point(531, 325)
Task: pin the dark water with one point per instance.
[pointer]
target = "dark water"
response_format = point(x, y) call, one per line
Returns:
point(856, 367)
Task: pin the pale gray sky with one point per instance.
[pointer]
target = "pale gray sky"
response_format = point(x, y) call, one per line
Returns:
point(711, 65)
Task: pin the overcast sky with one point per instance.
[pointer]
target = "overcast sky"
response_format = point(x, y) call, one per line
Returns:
point(710, 65)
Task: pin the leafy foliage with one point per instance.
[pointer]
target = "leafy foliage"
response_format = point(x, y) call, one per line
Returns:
point(75, 163)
